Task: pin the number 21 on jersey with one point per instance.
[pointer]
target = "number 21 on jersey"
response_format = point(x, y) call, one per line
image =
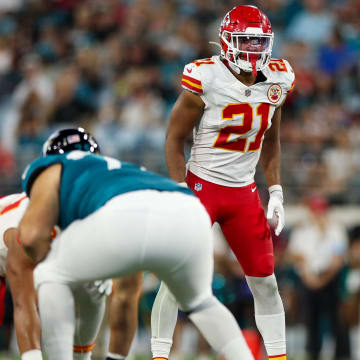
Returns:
point(223, 140)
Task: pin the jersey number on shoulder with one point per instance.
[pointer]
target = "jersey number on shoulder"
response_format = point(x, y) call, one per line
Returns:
point(277, 65)
point(111, 162)
point(200, 62)
point(241, 144)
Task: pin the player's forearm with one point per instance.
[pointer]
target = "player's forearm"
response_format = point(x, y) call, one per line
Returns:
point(27, 327)
point(175, 159)
point(26, 317)
point(270, 161)
point(19, 274)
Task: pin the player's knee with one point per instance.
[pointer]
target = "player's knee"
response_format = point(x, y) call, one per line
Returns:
point(263, 287)
point(128, 288)
point(126, 293)
point(123, 307)
point(124, 300)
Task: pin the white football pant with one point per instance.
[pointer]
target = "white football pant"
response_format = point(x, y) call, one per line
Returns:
point(167, 233)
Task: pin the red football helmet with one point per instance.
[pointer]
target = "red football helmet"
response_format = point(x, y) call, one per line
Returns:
point(246, 38)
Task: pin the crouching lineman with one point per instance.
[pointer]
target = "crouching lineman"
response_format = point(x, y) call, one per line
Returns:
point(116, 218)
point(17, 267)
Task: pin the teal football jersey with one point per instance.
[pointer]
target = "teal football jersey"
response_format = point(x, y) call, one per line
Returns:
point(88, 181)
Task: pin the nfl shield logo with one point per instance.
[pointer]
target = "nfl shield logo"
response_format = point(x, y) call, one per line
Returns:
point(198, 187)
point(247, 92)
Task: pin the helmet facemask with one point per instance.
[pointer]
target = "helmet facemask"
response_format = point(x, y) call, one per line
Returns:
point(249, 51)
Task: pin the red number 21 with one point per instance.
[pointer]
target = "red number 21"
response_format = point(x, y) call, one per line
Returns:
point(240, 144)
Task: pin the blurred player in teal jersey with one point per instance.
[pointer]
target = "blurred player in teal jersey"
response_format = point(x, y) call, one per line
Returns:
point(116, 218)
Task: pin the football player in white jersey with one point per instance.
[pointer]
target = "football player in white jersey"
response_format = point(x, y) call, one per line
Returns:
point(17, 267)
point(232, 103)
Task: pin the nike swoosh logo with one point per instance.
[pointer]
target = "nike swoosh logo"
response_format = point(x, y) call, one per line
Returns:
point(189, 70)
point(253, 189)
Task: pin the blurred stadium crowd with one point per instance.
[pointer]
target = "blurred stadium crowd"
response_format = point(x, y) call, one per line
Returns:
point(114, 67)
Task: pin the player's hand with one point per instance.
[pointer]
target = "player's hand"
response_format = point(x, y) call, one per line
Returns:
point(104, 287)
point(98, 289)
point(275, 209)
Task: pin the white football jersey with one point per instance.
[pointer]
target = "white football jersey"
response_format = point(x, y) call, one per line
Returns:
point(228, 138)
point(12, 209)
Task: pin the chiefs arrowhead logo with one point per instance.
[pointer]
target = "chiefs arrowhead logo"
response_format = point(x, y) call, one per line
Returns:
point(189, 70)
point(274, 93)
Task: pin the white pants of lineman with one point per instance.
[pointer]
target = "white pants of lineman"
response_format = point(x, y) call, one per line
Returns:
point(167, 233)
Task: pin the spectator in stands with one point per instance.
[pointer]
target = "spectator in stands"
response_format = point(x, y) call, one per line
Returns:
point(342, 161)
point(313, 25)
point(318, 249)
point(353, 289)
point(336, 57)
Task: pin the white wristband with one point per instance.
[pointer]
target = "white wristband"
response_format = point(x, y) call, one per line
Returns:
point(273, 188)
point(32, 355)
point(183, 184)
point(278, 190)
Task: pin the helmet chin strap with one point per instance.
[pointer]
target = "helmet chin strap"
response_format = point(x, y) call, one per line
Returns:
point(234, 67)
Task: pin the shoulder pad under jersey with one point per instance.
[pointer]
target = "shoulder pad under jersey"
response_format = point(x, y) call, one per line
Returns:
point(197, 75)
point(280, 72)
